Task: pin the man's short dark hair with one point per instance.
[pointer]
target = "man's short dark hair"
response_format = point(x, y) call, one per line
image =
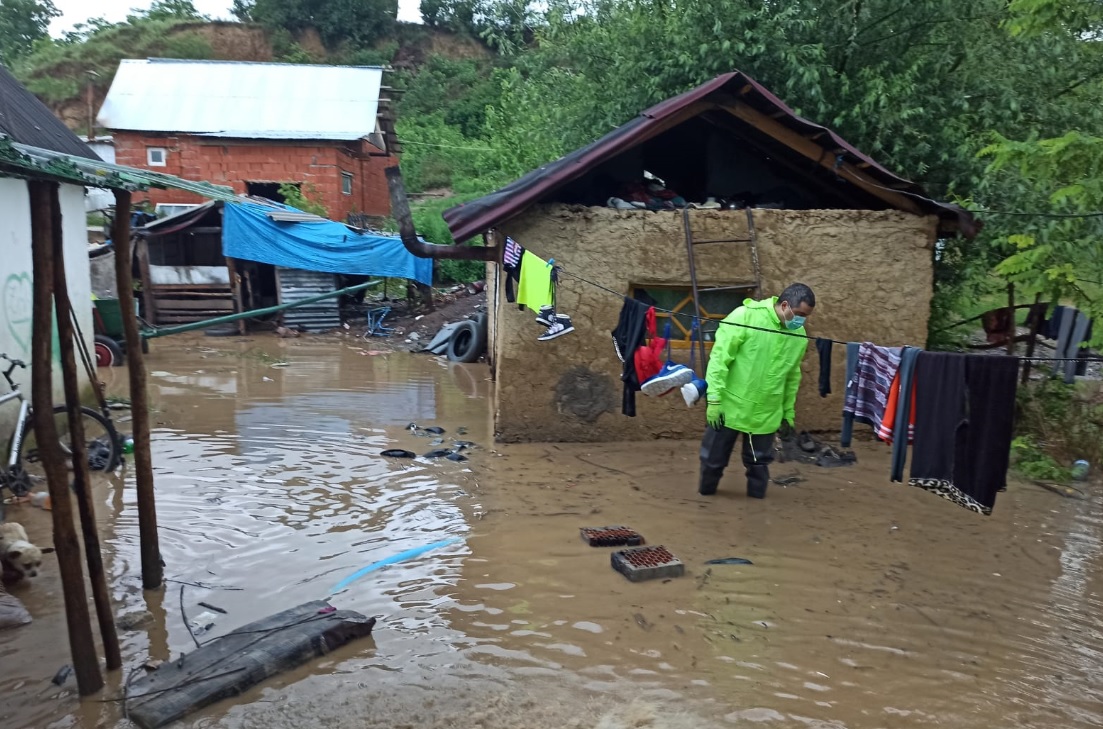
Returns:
point(797, 294)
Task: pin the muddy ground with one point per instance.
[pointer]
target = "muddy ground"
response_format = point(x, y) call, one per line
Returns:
point(868, 604)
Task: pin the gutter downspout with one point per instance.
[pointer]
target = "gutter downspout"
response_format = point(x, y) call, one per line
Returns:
point(400, 210)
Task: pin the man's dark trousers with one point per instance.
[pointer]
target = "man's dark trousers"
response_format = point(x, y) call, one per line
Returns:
point(716, 451)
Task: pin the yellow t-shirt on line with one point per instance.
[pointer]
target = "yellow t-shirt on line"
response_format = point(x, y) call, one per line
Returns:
point(534, 289)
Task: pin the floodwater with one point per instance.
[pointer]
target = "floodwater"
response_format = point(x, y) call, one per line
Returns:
point(868, 604)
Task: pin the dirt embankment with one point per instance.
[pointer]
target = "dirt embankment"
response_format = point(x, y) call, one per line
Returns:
point(231, 41)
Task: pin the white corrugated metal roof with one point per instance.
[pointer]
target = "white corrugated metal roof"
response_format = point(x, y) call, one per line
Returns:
point(243, 100)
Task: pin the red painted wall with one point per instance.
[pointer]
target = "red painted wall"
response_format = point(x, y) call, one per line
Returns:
point(233, 162)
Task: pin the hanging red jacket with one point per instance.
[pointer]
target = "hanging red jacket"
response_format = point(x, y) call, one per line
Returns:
point(649, 357)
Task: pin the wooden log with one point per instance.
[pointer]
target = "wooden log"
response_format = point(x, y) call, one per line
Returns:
point(86, 664)
point(82, 477)
point(229, 665)
point(153, 570)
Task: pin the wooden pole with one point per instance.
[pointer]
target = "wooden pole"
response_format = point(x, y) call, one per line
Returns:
point(82, 478)
point(1012, 327)
point(1035, 324)
point(152, 568)
point(85, 662)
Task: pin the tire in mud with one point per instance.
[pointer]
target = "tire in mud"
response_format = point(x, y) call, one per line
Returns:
point(465, 346)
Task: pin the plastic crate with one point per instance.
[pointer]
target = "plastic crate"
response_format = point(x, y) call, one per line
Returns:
point(647, 563)
point(611, 536)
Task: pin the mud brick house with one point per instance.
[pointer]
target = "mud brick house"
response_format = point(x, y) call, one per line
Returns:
point(254, 126)
point(819, 211)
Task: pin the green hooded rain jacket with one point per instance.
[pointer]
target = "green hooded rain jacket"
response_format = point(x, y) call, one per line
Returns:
point(754, 375)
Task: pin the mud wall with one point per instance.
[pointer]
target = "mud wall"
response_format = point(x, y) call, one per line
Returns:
point(871, 271)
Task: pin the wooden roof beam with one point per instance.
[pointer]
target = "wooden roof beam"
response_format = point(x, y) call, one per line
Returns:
point(811, 150)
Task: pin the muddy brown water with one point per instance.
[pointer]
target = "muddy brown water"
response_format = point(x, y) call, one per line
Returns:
point(868, 605)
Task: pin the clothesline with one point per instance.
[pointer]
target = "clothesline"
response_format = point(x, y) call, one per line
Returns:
point(697, 318)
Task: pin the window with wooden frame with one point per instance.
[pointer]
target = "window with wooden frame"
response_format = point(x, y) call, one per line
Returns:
point(716, 303)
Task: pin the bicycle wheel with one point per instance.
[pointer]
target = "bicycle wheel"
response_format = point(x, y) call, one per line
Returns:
point(100, 439)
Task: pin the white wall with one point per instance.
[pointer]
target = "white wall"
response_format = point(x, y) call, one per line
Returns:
point(98, 198)
point(16, 282)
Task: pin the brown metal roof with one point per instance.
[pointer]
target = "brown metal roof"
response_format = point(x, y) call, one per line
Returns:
point(760, 114)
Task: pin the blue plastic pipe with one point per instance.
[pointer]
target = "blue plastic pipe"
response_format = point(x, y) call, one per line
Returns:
point(393, 559)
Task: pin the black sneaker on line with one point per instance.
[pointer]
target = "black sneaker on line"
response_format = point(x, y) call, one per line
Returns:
point(560, 325)
point(546, 316)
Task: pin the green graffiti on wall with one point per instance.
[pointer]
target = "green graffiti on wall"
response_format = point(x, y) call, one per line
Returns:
point(17, 310)
point(17, 297)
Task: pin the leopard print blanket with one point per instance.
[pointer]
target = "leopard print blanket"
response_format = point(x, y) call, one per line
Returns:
point(948, 491)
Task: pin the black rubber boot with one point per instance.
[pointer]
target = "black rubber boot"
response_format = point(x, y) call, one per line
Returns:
point(758, 478)
point(709, 482)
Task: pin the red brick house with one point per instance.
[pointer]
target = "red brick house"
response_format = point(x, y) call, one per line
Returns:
point(254, 126)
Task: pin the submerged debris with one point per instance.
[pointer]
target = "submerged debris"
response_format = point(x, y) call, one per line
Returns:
point(398, 453)
point(438, 453)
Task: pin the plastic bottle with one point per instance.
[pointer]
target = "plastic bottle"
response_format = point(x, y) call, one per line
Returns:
point(128, 445)
point(1080, 470)
point(41, 499)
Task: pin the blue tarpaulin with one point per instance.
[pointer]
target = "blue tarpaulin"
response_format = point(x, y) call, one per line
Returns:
point(316, 245)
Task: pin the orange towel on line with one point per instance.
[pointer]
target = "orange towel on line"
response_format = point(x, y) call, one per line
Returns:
point(888, 423)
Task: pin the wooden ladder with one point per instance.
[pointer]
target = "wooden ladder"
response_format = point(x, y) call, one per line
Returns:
point(756, 284)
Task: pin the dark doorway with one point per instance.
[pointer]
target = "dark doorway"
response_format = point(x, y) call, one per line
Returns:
point(267, 190)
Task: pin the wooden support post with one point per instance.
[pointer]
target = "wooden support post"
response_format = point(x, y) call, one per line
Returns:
point(152, 567)
point(1035, 324)
point(85, 662)
point(82, 477)
point(1012, 327)
point(235, 292)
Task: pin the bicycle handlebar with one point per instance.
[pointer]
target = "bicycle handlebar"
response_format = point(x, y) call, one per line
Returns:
point(14, 362)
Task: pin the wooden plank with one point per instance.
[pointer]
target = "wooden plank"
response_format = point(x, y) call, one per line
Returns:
point(166, 305)
point(198, 289)
point(235, 283)
point(814, 152)
point(142, 254)
point(228, 666)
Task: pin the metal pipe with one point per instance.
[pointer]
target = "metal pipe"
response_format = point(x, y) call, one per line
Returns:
point(400, 210)
point(166, 331)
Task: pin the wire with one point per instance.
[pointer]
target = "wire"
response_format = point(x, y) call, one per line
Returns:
point(184, 615)
point(696, 318)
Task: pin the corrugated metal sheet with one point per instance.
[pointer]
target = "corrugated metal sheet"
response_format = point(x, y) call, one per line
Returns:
point(294, 216)
point(25, 119)
point(296, 285)
point(243, 100)
point(36, 161)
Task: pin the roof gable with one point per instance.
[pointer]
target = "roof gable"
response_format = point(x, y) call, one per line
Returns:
point(742, 109)
point(244, 100)
point(26, 120)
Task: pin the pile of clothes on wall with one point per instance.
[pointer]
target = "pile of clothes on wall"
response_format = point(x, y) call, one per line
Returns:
point(646, 195)
point(652, 194)
point(955, 410)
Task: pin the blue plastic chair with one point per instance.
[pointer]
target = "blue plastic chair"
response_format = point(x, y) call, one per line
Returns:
point(375, 322)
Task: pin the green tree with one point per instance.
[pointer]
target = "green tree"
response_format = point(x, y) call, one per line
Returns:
point(170, 10)
point(303, 197)
point(22, 23)
point(358, 22)
point(1057, 250)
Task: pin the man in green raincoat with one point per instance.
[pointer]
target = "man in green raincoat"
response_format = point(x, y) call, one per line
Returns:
point(753, 377)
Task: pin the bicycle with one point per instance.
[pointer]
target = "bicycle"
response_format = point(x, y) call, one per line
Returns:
point(24, 469)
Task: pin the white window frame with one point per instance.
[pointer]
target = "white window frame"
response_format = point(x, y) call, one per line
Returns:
point(346, 177)
point(150, 151)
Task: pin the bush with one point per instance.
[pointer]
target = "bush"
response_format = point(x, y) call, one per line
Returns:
point(1056, 425)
